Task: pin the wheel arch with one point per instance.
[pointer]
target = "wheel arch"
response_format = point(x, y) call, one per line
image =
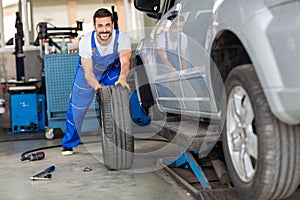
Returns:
point(228, 52)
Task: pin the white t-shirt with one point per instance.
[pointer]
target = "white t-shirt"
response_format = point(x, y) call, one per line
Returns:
point(85, 45)
point(161, 41)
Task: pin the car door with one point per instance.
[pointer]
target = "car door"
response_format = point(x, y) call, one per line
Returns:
point(198, 98)
point(167, 80)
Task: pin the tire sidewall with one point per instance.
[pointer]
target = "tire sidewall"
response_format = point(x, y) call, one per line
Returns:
point(245, 77)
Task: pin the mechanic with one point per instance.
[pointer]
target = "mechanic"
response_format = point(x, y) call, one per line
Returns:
point(104, 60)
point(172, 46)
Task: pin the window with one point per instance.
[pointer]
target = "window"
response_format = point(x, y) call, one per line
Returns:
point(10, 7)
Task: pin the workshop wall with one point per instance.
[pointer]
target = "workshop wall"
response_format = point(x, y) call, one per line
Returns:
point(7, 65)
point(32, 66)
point(64, 13)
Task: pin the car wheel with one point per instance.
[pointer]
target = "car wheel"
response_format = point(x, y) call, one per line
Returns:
point(261, 152)
point(116, 128)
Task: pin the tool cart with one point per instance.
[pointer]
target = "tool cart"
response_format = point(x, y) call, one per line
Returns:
point(59, 67)
point(59, 74)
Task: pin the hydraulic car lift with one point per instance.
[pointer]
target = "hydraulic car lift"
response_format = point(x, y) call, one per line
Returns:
point(201, 172)
point(187, 160)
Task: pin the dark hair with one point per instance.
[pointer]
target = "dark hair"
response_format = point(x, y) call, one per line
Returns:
point(102, 12)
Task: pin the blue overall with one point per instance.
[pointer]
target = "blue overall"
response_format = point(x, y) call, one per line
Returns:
point(107, 71)
point(172, 55)
point(164, 89)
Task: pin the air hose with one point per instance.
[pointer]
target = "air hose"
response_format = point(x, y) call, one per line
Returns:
point(57, 146)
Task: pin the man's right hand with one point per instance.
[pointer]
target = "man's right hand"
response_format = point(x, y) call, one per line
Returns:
point(122, 81)
point(98, 87)
point(98, 91)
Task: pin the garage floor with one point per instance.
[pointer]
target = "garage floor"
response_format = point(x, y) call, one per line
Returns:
point(70, 181)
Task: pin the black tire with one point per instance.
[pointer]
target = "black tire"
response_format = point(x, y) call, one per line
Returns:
point(144, 90)
point(277, 166)
point(116, 128)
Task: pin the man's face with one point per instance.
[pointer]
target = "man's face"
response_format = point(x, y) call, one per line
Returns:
point(177, 26)
point(103, 27)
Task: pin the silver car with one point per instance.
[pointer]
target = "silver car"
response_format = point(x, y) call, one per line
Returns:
point(250, 50)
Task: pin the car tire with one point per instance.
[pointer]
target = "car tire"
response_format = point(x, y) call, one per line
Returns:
point(116, 128)
point(261, 152)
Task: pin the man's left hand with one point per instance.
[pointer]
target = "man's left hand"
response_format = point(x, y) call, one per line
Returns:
point(122, 81)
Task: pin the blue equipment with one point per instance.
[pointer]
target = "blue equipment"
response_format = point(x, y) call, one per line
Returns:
point(137, 114)
point(187, 160)
point(60, 70)
point(27, 110)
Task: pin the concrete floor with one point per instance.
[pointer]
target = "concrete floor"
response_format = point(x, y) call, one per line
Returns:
point(69, 181)
point(144, 181)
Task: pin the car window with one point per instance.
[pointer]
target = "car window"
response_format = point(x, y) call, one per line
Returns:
point(167, 5)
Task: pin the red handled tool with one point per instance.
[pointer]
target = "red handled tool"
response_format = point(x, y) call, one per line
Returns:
point(34, 156)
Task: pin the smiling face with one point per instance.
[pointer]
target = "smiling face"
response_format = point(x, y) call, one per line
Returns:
point(104, 28)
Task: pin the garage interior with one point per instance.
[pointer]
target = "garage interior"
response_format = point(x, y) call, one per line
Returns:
point(154, 173)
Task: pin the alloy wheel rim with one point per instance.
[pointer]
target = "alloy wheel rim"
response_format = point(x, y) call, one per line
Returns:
point(242, 140)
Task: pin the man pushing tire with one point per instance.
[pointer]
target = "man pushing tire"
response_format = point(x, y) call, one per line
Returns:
point(104, 61)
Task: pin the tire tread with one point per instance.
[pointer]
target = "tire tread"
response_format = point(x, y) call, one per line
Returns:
point(117, 144)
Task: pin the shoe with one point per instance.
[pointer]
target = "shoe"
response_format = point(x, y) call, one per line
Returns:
point(67, 151)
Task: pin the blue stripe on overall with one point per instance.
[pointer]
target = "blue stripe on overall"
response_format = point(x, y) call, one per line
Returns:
point(107, 71)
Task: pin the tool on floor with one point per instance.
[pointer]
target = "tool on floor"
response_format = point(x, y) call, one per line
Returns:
point(33, 156)
point(87, 169)
point(46, 177)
